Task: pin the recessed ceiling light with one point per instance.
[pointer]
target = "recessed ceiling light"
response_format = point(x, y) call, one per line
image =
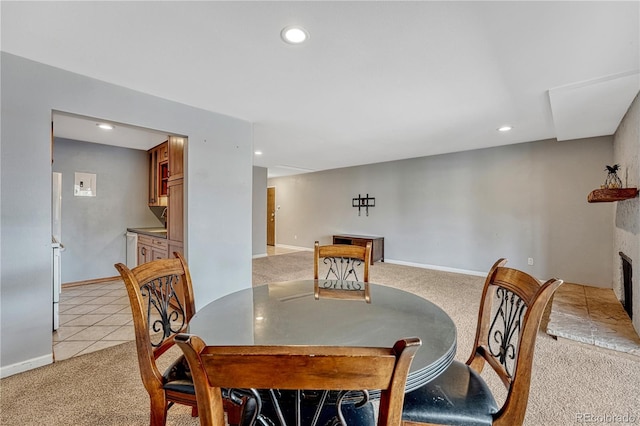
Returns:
point(258, 152)
point(105, 126)
point(294, 35)
point(504, 128)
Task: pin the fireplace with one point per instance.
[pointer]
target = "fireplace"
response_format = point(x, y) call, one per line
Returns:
point(626, 284)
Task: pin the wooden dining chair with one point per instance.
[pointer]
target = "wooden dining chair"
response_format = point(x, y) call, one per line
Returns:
point(342, 263)
point(511, 309)
point(298, 368)
point(161, 298)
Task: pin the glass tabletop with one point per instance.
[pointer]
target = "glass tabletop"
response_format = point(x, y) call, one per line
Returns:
point(287, 313)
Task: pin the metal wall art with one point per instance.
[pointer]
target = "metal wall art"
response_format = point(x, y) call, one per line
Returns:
point(363, 202)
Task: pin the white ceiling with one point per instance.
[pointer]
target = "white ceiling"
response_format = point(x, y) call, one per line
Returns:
point(376, 81)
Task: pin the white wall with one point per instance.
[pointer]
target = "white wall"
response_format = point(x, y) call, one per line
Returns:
point(259, 228)
point(94, 227)
point(626, 224)
point(217, 188)
point(467, 209)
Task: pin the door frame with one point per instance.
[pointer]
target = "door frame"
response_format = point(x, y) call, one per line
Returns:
point(271, 215)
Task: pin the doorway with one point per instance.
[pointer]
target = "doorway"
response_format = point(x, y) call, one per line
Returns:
point(271, 216)
point(93, 245)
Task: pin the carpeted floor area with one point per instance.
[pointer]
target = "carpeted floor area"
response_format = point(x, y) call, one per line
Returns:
point(571, 381)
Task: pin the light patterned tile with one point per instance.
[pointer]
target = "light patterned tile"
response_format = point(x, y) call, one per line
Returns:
point(116, 287)
point(101, 344)
point(78, 300)
point(64, 308)
point(95, 332)
point(74, 291)
point(111, 309)
point(118, 293)
point(88, 319)
point(97, 292)
point(123, 333)
point(65, 318)
point(117, 319)
point(124, 309)
point(65, 350)
point(121, 301)
point(64, 332)
point(81, 309)
point(106, 300)
point(592, 315)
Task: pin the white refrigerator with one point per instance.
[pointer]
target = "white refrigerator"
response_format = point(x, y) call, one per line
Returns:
point(56, 245)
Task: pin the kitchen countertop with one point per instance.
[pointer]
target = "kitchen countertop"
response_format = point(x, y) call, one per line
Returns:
point(157, 231)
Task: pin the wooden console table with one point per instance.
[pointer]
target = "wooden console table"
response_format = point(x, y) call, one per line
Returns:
point(377, 244)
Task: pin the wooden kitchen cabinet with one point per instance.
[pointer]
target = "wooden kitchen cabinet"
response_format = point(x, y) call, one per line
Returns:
point(144, 249)
point(150, 248)
point(176, 157)
point(144, 253)
point(175, 211)
point(158, 174)
point(166, 188)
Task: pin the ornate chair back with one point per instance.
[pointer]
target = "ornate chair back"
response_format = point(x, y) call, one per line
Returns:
point(298, 368)
point(162, 303)
point(161, 297)
point(343, 263)
point(511, 310)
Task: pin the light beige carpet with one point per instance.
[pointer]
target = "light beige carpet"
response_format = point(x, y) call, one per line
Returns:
point(571, 381)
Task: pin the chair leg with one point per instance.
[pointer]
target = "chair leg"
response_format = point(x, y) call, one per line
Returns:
point(194, 411)
point(158, 411)
point(234, 413)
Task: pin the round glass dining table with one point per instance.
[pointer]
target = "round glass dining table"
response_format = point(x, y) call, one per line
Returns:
point(287, 313)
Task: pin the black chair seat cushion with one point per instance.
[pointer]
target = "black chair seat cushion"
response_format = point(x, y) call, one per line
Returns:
point(178, 378)
point(459, 396)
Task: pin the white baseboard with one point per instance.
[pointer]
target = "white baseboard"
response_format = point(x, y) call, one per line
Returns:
point(257, 256)
point(437, 268)
point(294, 247)
point(30, 364)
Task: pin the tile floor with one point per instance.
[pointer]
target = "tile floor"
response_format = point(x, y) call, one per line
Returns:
point(275, 250)
point(592, 315)
point(96, 316)
point(92, 317)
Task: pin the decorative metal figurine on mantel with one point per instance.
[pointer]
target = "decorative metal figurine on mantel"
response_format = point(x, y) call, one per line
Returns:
point(612, 181)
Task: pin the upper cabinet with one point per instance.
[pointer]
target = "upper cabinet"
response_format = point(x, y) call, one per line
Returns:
point(166, 173)
point(176, 157)
point(175, 212)
point(158, 174)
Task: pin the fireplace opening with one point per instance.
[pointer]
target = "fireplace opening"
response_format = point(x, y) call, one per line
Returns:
point(626, 284)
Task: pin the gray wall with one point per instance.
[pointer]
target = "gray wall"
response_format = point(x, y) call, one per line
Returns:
point(217, 189)
point(465, 210)
point(94, 227)
point(626, 225)
point(259, 211)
